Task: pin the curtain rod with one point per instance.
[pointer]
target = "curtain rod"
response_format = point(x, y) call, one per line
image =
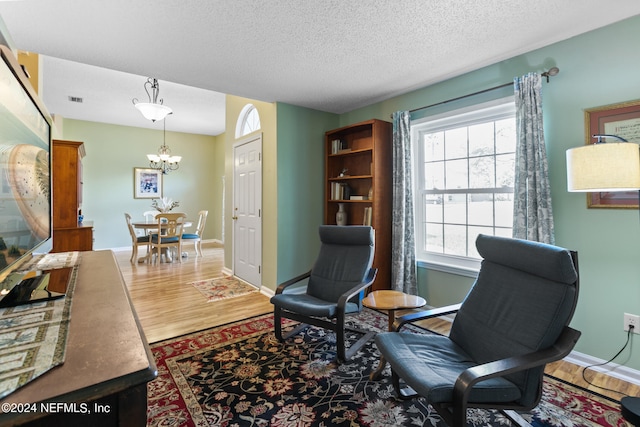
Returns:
point(552, 72)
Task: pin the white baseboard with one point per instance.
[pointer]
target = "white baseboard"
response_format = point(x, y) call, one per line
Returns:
point(212, 241)
point(615, 370)
point(267, 291)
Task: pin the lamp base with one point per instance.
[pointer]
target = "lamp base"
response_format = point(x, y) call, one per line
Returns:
point(630, 407)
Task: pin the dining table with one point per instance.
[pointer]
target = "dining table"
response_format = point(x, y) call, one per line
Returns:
point(149, 226)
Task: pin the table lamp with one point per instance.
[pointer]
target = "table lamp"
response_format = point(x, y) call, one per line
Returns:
point(601, 167)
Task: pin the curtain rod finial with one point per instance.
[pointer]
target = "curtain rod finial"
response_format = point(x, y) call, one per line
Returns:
point(550, 72)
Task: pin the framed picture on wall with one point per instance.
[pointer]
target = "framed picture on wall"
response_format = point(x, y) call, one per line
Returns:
point(147, 183)
point(622, 120)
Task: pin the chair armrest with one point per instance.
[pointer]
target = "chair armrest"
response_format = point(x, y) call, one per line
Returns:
point(282, 286)
point(426, 314)
point(368, 281)
point(498, 368)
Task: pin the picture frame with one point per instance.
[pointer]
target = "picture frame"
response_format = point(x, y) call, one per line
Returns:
point(622, 120)
point(147, 183)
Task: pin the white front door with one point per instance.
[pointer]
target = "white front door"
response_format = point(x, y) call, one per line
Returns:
point(247, 210)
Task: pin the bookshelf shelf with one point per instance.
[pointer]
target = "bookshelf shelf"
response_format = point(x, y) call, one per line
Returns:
point(348, 177)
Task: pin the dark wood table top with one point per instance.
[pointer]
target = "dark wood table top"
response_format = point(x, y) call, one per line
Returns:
point(106, 352)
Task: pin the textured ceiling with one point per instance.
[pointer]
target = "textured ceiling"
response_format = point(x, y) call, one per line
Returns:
point(330, 55)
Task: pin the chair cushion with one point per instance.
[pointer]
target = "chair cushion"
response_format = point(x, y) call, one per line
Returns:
point(310, 306)
point(345, 258)
point(430, 364)
point(190, 236)
point(154, 239)
point(540, 259)
point(351, 235)
point(143, 239)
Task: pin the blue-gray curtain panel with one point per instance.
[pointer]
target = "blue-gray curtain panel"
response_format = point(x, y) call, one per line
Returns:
point(403, 254)
point(532, 213)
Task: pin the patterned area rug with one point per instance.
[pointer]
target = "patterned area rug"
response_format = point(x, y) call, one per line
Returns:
point(222, 288)
point(240, 375)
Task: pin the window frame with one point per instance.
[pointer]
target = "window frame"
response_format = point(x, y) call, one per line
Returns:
point(243, 119)
point(493, 110)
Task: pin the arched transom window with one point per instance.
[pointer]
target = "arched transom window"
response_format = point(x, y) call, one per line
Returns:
point(248, 121)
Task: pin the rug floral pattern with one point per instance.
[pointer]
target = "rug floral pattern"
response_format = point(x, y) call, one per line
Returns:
point(240, 375)
point(222, 288)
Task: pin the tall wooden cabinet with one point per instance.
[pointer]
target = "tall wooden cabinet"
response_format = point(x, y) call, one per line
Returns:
point(358, 168)
point(66, 176)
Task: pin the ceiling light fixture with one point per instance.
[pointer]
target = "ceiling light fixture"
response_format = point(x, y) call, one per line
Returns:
point(164, 161)
point(152, 110)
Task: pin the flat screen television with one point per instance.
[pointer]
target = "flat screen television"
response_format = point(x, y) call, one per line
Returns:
point(25, 173)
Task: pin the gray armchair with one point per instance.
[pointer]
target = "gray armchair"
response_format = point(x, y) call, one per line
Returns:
point(335, 286)
point(513, 321)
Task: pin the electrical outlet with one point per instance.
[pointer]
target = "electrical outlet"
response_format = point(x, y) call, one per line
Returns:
point(632, 320)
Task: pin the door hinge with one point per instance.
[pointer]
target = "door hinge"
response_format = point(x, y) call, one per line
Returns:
point(259, 269)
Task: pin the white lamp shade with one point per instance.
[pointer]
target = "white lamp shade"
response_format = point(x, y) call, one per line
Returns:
point(153, 157)
point(153, 112)
point(604, 167)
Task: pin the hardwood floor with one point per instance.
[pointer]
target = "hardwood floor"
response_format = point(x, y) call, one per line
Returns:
point(168, 306)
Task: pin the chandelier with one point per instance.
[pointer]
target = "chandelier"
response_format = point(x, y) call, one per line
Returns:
point(164, 161)
point(152, 110)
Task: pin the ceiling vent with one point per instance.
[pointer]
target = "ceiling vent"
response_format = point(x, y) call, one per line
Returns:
point(75, 99)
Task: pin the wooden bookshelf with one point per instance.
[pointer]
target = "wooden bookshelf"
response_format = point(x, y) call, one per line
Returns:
point(361, 164)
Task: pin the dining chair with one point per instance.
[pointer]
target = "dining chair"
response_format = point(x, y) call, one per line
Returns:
point(136, 240)
point(196, 237)
point(170, 235)
point(150, 215)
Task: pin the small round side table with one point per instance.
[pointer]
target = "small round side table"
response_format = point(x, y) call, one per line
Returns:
point(391, 301)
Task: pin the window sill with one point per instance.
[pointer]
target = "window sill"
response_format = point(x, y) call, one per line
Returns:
point(449, 268)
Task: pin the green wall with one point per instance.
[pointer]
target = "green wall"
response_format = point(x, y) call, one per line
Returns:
point(112, 153)
point(597, 68)
point(300, 186)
